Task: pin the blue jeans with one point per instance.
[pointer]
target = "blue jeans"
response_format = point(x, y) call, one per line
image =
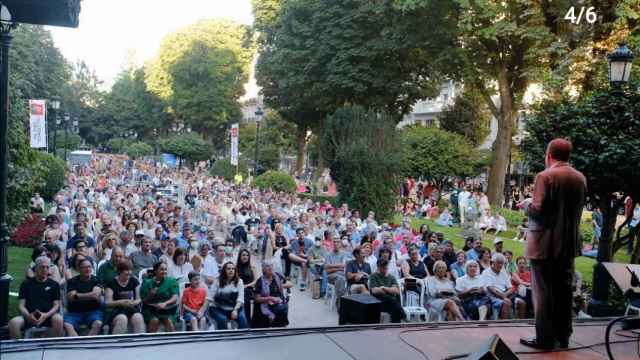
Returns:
point(222, 318)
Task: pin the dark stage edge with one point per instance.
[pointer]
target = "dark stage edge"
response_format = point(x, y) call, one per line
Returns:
point(407, 342)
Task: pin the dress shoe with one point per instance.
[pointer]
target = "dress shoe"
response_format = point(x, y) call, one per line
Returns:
point(564, 344)
point(533, 342)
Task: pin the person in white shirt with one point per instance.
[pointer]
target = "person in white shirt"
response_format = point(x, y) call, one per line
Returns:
point(472, 293)
point(498, 285)
point(463, 203)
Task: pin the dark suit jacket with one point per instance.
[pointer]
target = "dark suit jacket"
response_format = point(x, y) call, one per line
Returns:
point(555, 213)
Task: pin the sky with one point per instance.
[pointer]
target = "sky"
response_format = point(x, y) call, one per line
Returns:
point(110, 30)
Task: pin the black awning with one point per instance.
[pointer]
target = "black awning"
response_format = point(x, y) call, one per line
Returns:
point(44, 12)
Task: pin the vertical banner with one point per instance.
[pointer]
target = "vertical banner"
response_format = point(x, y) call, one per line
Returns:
point(234, 144)
point(38, 123)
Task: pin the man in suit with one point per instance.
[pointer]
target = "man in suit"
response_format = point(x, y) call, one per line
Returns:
point(553, 242)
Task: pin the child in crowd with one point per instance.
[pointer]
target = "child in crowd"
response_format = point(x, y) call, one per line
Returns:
point(194, 305)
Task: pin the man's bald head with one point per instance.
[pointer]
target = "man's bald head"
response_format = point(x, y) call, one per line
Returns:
point(560, 149)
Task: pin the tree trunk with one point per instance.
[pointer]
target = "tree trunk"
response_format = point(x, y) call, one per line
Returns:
point(301, 141)
point(609, 206)
point(320, 135)
point(502, 144)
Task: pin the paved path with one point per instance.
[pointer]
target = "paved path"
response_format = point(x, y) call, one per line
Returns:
point(305, 311)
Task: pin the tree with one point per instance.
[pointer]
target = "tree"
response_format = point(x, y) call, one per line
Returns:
point(604, 128)
point(437, 155)
point(138, 150)
point(81, 99)
point(276, 137)
point(362, 149)
point(116, 145)
point(467, 116)
point(318, 55)
point(200, 72)
point(190, 146)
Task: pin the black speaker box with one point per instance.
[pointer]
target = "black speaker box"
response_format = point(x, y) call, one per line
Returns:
point(359, 309)
point(494, 349)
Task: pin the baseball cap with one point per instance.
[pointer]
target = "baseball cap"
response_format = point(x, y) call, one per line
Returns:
point(139, 233)
point(497, 240)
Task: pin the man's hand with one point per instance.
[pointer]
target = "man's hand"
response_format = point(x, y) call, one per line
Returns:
point(234, 315)
point(161, 305)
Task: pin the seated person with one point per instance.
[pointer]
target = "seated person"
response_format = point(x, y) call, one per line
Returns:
point(195, 303)
point(271, 305)
point(445, 219)
point(159, 294)
point(521, 280)
point(54, 272)
point(385, 288)
point(522, 228)
point(227, 298)
point(109, 269)
point(458, 268)
point(179, 268)
point(83, 301)
point(357, 273)
point(144, 258)
point(414, 268)
point(81, 234)
point(441, 293)
point(472, 293)
point(300, 247)
point(435, 254)
point(498, 286)
point(39, 302)
point(497, 222)
point(122, 299)
point(579, 298)
point(483, 221)
point(334, 266)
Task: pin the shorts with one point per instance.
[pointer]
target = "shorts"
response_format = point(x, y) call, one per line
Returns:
point(188, 316)
point(597, 232)
point(46, 323)
point(78, 319)
point(496, 303)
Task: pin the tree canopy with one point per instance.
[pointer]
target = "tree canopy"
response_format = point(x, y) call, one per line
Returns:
point(200, 71)
point(189, 146)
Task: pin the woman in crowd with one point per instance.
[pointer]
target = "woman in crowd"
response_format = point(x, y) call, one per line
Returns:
point(248, 274)
point(521, 280)
point(179, 268)
point(458, 268)
point(122, 299)
point(271, 309)
point(227, 298)
point(414, 268)
point(441, 293)
point(159, 294)
point(367, 252)
point(485, 259)
point(109, 241)
point(472, 293)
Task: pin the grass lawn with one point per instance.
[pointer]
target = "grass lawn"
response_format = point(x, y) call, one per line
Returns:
point(19, 259)
point(583, 264)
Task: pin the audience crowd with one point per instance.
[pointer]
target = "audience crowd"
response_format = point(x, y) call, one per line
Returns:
point(133, 247)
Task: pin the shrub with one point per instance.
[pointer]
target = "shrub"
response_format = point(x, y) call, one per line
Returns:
point(362, 148)
point(224, 169)
point(29, 232)
point(52, 175)
point(277, 181)
point(138, 149)
point(117, 144)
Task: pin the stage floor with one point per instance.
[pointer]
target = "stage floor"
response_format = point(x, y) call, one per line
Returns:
point(386, 342)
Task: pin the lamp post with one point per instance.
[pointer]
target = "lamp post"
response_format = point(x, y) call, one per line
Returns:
point(259, 114)
point(55, 105)
point(6, 25)
point(66, 134)
point(620, 61)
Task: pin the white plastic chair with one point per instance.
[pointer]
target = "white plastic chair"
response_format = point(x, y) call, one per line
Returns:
point(412, 302)
point(142, 274)
point(30, 332)
point(631, 308)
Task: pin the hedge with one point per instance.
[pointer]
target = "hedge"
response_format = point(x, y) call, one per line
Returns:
point(277, 181)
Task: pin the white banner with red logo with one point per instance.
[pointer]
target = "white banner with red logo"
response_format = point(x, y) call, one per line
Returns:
point(234, 144)
point(38, 123)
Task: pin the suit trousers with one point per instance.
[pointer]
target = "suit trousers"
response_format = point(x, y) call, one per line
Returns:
point(552, 299)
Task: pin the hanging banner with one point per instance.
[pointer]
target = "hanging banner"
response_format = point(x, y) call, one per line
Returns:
point(234, 144)
point(38, 123)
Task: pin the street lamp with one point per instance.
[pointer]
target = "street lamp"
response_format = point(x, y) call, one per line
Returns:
point(259, 113)
point(620, 61)
point(55, 105)
point(6, 25)
point(67, 118)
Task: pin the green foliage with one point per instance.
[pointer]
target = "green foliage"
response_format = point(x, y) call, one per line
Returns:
point(52, 174)
point(200, 72)
point(223, 168)
point(277, 181)
point(276, 136)
point(81, 99)
point(362, 148)
point(68, 141)
point(138, 150)
point(437, 155)
point(116, 144)
point(189, 146)
point(467, 116)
